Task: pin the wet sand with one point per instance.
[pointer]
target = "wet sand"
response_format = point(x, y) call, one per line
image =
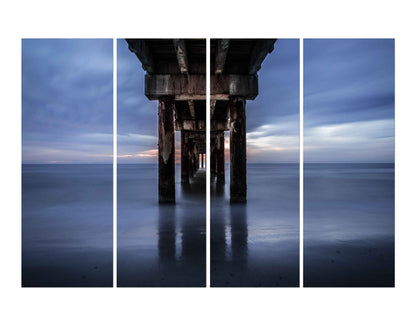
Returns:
point(368, 263)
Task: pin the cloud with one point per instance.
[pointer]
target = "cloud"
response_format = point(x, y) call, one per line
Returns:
point(67, 100)
point(278, 142)
point(278, 97)
point(276, 106)
point(363, 141)
point(349, 100)
point(151, 153)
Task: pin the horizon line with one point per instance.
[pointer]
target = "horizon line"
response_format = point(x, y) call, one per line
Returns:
point(94, 163)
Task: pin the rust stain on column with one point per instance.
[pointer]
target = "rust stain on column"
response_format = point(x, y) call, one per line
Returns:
point(166, 151)
point(238, 159)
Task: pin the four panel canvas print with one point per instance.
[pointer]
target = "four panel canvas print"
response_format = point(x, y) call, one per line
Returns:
point(252, 122)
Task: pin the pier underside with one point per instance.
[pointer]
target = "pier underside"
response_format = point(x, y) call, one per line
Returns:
point(176, 78)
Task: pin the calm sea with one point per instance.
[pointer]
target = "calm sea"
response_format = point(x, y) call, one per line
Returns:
point(67, 225)
point(349, 225)
point(257, 243)
point(159, 245)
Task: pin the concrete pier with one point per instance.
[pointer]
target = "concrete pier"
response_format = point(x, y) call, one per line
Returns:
point(175, 76)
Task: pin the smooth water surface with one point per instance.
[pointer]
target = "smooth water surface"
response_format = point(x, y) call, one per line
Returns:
point(67, 225)
point(159, 245)
point(257, 243)
point(349, 225)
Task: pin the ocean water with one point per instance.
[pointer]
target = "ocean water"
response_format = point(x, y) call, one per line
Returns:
point(159, 245)
point(349, 225)
point(257, 244)
point(67, 225)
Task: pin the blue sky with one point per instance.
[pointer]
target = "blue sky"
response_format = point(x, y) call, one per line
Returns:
point(136, 115)
point(67, 100)
point(348, 103)
point(349, 100)
point(272, 118)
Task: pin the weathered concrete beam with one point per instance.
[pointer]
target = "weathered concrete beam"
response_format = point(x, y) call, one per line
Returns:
point(196, 136)
point(234, 85)
point(181, 55)
point(259, 53)
point(219, 125)
point(179, 86)
point(200, 125)
point(142, 51)
point(190, 125)
point(221, 56)
point(192, 87)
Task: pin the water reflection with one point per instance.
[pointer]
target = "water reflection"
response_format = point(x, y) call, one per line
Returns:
point(219, 190)
point(160, 245)
point(257, 243)
point(181, 238)
point(218, 239)
point(195, 189)
point(237, 251)
point(239, 235)
point(167, 234)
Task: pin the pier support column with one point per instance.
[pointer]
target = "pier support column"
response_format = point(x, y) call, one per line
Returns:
point(193, 164)
point(213, 167)
point(220, 158)
point(190, 160)
point(166, 150)
point(184, 158)
point(238, 158)
point(195, 158)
